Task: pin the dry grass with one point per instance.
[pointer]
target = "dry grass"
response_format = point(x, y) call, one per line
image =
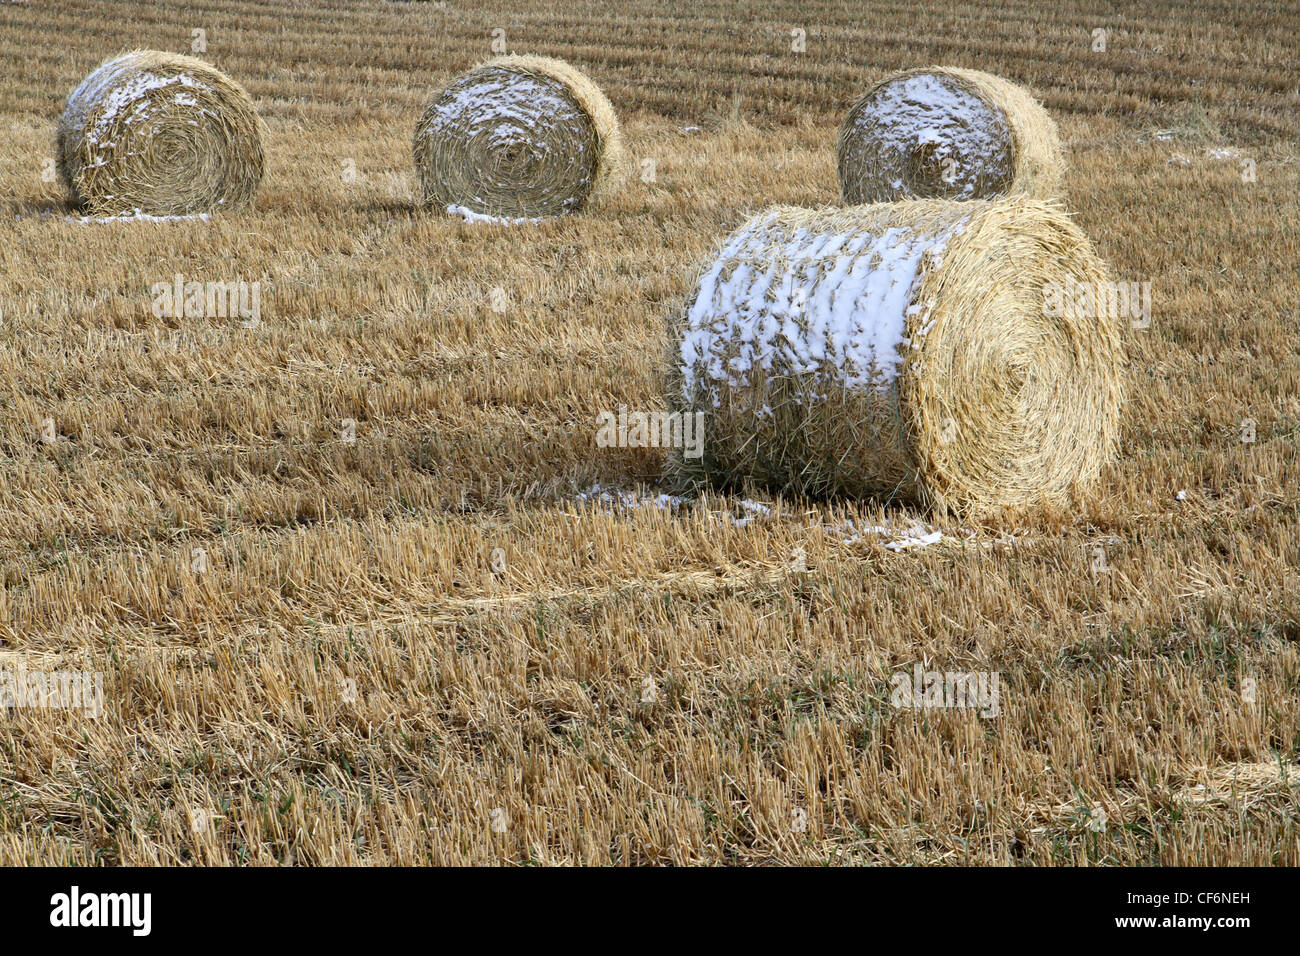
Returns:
point(350, 681)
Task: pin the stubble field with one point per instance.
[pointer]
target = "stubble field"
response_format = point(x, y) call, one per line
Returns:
point(412, 640)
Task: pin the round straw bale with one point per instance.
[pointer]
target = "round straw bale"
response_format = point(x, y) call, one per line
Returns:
point(162, 133)
point(914, 349)
point(946, 133)
point(521, 137)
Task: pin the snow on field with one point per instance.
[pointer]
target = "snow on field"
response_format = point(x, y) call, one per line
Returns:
point(912, 536)
point(916, 536)
point(469, 215)
point(626, 499)
point(1223, 153)
point(137, 216)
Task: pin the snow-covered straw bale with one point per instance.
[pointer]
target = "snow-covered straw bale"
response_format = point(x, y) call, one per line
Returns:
point(901, 350)
point(518, 138)
point(946, 133)
point(161, 133)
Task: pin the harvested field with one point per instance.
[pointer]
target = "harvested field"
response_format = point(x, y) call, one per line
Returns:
point(333, 545)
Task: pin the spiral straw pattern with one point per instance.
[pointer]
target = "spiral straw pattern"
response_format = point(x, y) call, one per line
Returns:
point(518, 138)
point(945, 133)
point(160, 133)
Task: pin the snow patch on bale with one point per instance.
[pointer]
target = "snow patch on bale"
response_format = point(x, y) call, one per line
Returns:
point(947, 133)
point(159, 133)
point(518, 138)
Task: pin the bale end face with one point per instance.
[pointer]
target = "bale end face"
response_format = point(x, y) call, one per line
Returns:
point(519, 137)
point(162, 133)
point(946, 133)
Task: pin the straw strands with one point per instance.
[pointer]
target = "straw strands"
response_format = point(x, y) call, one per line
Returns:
point(948, 133)
point(915, 349)
point(164, 134)
point(519, 137)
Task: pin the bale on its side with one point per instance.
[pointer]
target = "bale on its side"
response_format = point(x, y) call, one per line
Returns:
point(519, 137)
point(910, 349)
point(162, 133)
point(948, 133)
